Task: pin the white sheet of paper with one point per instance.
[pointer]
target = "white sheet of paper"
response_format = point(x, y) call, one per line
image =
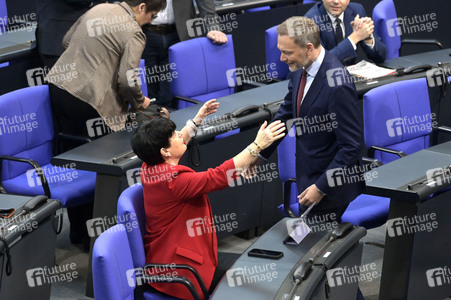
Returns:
point(300, 232)
point(369, 70)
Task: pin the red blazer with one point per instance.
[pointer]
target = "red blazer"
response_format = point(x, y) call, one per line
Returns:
point(179, 224)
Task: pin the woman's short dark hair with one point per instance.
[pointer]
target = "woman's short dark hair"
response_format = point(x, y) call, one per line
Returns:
point(150, 137)
point(151, 5)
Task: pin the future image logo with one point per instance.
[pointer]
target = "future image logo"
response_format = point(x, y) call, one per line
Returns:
point(411, 24)
point(438, 276)
point(248, 275)
point(419, 223)
point(438, 76)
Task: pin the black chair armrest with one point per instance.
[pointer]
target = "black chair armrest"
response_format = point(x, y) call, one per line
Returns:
point(174, 279)
point(373, 162)
point(286, 197)
point(35, 165)
point(188, 99)
point(372, 149)
point(185, 267)
point(437, 131)
point(420, 42)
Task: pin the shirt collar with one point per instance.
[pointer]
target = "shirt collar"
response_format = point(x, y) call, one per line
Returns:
point(333, 18)
point(314, 67)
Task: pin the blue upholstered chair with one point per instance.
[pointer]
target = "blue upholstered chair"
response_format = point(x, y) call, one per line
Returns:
point(4, 16)
point(386, 26)
point(112, 267)
point(397, 122)
point(131, 214)
point(397, 119)
point(204, 70)
point(286, 152)
point(26, 137)
point(255, 9)
point(143, 77)
point(273, 54)
point(130, 210)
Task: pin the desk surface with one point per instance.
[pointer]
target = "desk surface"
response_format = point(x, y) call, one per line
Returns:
point(16, 44)
point(429, 58)
point(100, 152)
point(394, 176)
point(271, 240)
point(227, 6)
point(97, 155)
point(426, 58)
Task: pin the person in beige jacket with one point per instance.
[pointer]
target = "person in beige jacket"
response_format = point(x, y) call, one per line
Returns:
point(97, 74)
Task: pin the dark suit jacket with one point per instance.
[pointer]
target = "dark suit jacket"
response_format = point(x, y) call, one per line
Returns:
point(344, 50)
point(323, 150)
point(184, 11)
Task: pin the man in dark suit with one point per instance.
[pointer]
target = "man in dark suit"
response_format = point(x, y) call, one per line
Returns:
point(344, 26)
point(174, 24)
point(322, 103)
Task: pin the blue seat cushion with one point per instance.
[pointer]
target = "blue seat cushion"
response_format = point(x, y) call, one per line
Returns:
point(71, 187)
point(367, 211)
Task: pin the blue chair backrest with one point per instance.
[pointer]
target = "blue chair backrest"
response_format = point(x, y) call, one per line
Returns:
point(286, 152)
point(130, 213)
point(204, 70)
point(143, 77)
point(398, 116)
point(273, 54)
point(387, 28)
point(26, 128)
point(3, 16)
point(255, 9)
point(112, 267)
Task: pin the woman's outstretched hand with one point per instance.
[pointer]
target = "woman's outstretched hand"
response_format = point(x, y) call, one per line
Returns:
point(209, 107)
point(270, 133)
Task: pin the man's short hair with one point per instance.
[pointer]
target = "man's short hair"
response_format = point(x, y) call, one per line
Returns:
point(150, 137)
point(151, 5)
point(302, 30)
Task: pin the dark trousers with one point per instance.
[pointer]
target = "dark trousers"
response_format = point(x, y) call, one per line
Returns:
point(157, 61)
point(70, 116)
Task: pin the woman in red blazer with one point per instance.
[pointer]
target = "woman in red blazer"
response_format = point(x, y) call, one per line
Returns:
point(180, 227)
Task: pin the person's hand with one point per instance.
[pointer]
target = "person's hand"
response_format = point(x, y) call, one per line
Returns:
point(209, 107)
point(267, 134)
point(310, 195)
point(217, 37)
point(362, 29)
point(146, 103)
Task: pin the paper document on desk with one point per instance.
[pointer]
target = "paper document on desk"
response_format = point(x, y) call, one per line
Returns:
point(299, 230)
point(369, 70)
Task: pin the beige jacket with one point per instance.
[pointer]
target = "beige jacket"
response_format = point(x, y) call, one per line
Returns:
point(101, 60)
